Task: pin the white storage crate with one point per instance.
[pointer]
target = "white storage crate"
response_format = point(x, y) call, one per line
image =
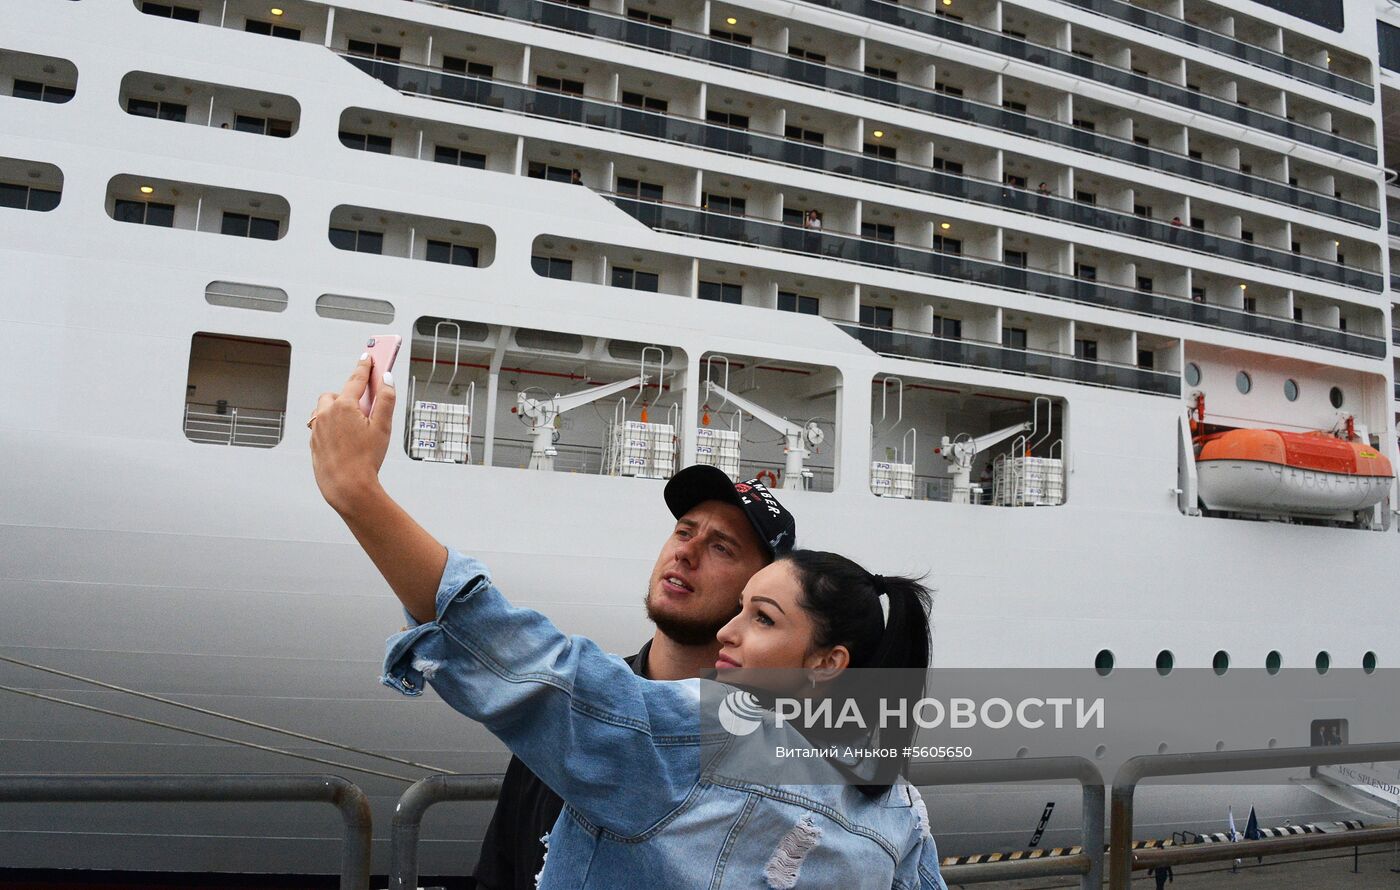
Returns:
point(891, 480)
point(645, 450)
point(718, 448)
point(1028, 482)
point(439, 431)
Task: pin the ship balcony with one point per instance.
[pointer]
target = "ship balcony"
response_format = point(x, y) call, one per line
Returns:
point(796, 152)
point(925, 347)
point(144, 94)
point(197, 207)
point(1285, 54)
point(40, 78)
point(410, 236)
point(923, 260)
point(30, 185)
point(895, 77)
point(947, 29)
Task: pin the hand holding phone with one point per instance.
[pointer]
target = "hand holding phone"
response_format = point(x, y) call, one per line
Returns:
point(382, 349)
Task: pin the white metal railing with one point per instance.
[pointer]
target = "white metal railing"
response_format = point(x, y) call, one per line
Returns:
point(224, 424)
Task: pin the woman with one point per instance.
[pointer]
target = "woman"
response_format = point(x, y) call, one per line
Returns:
point(650, 802)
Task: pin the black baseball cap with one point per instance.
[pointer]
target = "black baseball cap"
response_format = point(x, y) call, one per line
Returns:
point(699, 483)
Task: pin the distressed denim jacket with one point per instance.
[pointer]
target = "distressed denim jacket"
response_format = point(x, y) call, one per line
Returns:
point(625, 754)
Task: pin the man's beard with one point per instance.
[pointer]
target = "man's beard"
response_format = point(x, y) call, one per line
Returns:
point(686, 630)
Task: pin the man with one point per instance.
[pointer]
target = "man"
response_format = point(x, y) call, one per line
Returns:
point(724, 533)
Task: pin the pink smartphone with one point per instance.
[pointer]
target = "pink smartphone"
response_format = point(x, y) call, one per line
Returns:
point(382, 349)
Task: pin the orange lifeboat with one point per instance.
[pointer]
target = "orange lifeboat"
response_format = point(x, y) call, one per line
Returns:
point(1307, 474)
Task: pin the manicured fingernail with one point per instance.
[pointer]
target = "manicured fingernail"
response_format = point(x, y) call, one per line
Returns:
point(388, 378)
point(364, 355)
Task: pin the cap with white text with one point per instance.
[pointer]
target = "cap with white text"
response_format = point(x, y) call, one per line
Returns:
point(696, 484)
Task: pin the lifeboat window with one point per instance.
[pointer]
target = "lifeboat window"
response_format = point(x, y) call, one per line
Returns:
point(1221, 664)
point(1103, 662)
point(1324, 662)
point(1337, 397)
point(1193, 374)
point(1368, 662)
point(1165, 662)
point(1243, 383)
point(1290, 390)
point(1273, 662)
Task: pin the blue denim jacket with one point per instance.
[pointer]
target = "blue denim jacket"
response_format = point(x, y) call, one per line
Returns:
point(625, 754)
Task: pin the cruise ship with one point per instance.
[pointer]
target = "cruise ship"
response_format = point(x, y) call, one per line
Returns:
point(1082, 307)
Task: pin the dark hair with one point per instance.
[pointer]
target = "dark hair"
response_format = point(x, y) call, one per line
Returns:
point(843, 601)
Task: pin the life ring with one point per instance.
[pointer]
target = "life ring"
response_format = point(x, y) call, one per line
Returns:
point(768, 478)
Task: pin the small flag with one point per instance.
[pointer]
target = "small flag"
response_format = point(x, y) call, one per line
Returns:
point(1251, 829)
point(1234, 835)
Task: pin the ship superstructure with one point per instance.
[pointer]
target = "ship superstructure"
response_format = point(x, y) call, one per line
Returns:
point(970, 281)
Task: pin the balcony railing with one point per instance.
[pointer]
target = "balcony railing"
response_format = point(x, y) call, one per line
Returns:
point(687, 44)
point(945, 28)
point(519, 98)
point(1393, 225)
point(1221, 43)
point(928, 348)
point(925, 261)
point(227, 425)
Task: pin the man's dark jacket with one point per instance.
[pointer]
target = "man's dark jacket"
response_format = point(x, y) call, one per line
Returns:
point(511, 852)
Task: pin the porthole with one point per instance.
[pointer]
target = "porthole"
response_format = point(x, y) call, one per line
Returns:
point(1336, 396)
point(1165, 662)
point(1368, 662)
point(1290, 390)
point(1243, 383)
point(1324, 662)
point(1103, 662)
point(1193, 374)
point(1221, 663)
point(1273, 662)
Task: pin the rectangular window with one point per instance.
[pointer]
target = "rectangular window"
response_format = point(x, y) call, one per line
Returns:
point(877, 231)
point(166, 10)
point(1198, 295)
point(1013, 338)
point(721, 292)
point(41, 92)
point(1247, 235)
point(166, 111)
point(1198, 224)
point(374, 50)
point(1086, 197)
point(1142, 210)
point(947, 328)
point(646, 103)
point(947, 245)
point(245, 226)
point(1142, 140)
point(1296, 247)
point(947, 89)
point(442, 154)
point(265, 126)
point(1088, 350)
point(727, 119)
point(1246, 169)
point(270, 29)
point(1082, 53)
point(1084, 124)
point(1086, 272)
point(882, 73)
point(453, 254)
point(149, 213)
point(635, 188)
point(1144, 283)
point(811, 137)
point(1342, 323)
point(1146, 359)
point(537, 170)
point(357, 240)
point(1015, 258)
point(462, 66)
point(877, 317)
point(367, 142)
point(725, 204)
point(552, 267)
point(560, 85)
point(1194, 155)
point(794, 217)
point(799, 303)
point(954, 168)
point(1250, 304)
point(635, 279)
point(1297, 313)
point(23, 197)
point(799, 53)
point(1013, 34)
point(883, 152)
point(641, 15)
point(731, 37)
point(1012, 105)
point(1015, 181)
point(1341, 258)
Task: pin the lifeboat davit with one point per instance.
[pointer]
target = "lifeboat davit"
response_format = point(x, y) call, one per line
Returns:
point(1301, 474)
